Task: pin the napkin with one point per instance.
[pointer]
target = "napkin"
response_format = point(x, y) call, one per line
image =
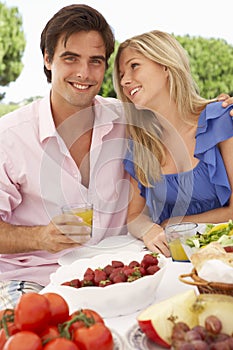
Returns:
point(215, 270)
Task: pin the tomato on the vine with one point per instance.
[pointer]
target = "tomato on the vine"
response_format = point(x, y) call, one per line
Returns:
point(6, 323)
point(59, 308)
point(23, 340)
point(8, 315)
point(32, 312)
point(95, 337)
point(12, 329)
point(89, 313)
point(61, 344)
point(49, 333)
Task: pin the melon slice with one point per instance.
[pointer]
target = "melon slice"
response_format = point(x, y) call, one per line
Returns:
point(219, 305)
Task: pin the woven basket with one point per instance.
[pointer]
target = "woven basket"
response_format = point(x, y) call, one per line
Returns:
point(206, 287)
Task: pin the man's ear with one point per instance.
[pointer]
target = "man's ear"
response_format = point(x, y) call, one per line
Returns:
point(47, 62)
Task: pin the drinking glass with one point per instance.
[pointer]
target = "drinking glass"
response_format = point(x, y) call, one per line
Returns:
point(176, 233)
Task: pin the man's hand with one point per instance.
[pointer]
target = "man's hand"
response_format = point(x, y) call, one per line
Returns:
point(63, 232)
point(227, 100)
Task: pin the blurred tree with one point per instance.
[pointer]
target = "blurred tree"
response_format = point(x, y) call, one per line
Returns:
point(211, 63)
point(12, 45)
point(107, 89)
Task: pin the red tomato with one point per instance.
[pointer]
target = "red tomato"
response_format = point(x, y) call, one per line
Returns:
point(89, 313)
point(24, 340)
point(32, 312)
point(48, 334)
point(12, 329)
point(95, 337)
point(61, 344)
point(229, 249)
point(58, 307)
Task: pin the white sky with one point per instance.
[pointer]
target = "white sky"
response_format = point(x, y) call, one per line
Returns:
point(206, 18)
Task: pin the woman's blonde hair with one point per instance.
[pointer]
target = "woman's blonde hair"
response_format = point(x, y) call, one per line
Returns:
point(143, 127)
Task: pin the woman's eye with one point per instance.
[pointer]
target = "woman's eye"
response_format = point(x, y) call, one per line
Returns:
point(134, 65)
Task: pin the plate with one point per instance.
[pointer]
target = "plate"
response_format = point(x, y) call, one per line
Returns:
point(114, 300)
point(201, 229)
point(108, 245)
point(188, 250)
point(138, 340)
point(118, 341)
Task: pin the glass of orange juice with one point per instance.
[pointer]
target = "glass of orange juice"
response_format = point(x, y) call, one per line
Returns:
point(81, 229)
point(174, 234)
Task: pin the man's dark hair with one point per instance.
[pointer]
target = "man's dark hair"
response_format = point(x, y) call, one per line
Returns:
point(72, 19)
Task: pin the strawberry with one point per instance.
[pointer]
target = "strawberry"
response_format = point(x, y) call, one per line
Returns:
point(133, 264)
point(76, 283)
point(116, 263)
point(104, 283)
point(149, 259)
point(100, 275)
point(89, 275)
point(108, 269)
point(151, 270)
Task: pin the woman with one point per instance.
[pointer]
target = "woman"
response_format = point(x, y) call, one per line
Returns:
point(181, 145)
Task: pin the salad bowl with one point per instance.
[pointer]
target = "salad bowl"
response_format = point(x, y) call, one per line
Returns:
point(207, 233)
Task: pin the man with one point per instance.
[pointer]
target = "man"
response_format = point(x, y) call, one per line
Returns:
point(60, 149)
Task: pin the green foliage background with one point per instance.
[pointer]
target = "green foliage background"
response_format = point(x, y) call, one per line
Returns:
point(211, 60)
point(12, 44)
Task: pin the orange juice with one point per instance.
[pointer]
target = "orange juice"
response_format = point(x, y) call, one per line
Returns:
point(86, 215)
point(175, 233)
point(177, 251)
point(83, 210)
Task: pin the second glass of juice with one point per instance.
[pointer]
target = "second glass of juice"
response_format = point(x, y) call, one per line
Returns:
point(174, 233)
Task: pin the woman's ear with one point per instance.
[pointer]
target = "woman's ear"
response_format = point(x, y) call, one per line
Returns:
point(166, 71)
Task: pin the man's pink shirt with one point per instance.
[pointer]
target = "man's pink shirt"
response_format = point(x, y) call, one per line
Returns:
point(38, 176)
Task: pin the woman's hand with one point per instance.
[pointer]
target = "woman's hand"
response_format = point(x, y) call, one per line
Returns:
point(155, 240)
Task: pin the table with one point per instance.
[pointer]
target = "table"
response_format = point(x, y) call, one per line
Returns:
point(169, 286)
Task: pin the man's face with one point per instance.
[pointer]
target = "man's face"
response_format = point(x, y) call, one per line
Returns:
point(77, 70)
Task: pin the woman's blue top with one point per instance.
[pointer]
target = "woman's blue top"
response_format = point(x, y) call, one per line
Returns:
point(201, 189)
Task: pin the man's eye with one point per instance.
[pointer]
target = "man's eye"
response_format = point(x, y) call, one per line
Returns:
point(70, 58)
point(97, 61)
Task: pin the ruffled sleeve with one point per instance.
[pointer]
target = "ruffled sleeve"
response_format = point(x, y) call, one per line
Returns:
point(215, 125)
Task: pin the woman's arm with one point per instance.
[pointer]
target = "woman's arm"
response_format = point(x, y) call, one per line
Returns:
point(140, 224)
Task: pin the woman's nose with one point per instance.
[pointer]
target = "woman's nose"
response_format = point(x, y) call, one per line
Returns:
point(126, 80)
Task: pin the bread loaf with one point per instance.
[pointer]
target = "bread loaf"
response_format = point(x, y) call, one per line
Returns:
point(212, 251)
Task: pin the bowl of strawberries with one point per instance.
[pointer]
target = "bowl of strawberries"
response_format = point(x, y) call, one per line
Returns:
point(113, 285)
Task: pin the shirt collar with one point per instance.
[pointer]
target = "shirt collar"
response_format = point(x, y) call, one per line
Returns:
point(46, 124)
point(107, 110)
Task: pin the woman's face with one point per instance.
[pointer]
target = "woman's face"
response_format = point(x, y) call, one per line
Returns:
point(143, 81)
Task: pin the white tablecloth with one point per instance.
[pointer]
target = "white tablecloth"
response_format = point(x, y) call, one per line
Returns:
point(169, 286)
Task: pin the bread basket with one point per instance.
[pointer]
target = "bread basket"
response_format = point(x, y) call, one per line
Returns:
point(206, 287)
